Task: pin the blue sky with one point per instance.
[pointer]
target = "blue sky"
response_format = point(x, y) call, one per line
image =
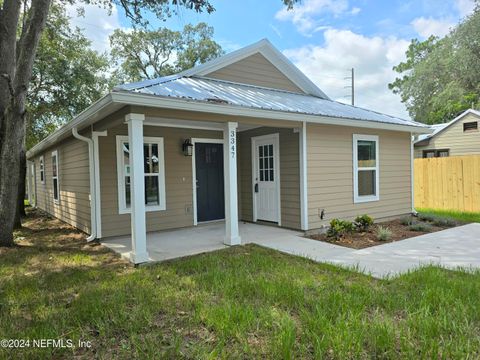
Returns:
point(323, 38)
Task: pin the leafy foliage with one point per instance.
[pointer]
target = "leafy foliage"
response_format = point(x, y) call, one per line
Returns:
point(383, 233)
point(339, 228)
point(67, 77)
point(421, 227)
point(441, 77)
point(144, 54)
point(363, 222)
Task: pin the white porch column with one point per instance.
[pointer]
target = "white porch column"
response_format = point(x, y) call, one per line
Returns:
point(303, 177)
point(232, 236)
point(137, 188)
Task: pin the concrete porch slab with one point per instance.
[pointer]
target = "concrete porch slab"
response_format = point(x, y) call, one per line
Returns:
point(171, 244)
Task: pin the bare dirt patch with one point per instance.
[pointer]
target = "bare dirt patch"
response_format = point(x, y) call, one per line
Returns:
point(361, 240)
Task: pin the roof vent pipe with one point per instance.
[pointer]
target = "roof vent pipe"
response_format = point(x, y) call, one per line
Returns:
point(93, 209)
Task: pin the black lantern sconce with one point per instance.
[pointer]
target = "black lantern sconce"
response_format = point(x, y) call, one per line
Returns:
point(187, 147)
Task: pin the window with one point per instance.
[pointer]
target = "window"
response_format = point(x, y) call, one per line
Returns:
point(42, 170)
point(427, 154)
point(55, 184)
point(153, 165)
point(265, 157)
point(469, 126)
point(365, 168)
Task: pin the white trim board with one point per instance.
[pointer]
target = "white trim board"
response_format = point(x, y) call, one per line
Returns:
point(122, 209)
point(368, 198)
point(194, 173)
point(276, 142)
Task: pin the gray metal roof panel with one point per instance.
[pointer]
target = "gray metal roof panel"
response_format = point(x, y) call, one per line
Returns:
point(213, 90)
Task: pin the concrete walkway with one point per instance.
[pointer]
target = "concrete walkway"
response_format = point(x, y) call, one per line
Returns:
point(451, 248)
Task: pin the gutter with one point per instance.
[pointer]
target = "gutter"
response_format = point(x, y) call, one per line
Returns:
point(93, 207)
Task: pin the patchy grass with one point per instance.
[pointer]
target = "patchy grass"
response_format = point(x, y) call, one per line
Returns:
point(242, 302)
point(467, 217)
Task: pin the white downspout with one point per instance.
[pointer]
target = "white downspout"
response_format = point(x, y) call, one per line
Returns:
point(93, 208)
point(412, 178)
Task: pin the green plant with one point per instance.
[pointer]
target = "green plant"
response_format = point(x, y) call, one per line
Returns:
point(421, 227)
point(338, 228)
point(383, 233)
point(363, 222)
point(426, 217)
point(406, 220)
point(444, 222)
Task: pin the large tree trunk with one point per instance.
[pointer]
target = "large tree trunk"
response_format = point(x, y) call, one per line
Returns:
point(20, 213)
point(16, 62)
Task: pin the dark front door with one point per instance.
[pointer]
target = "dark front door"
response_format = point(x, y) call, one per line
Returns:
point(209, 172)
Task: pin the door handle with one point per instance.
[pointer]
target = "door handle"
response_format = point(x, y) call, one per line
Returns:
point(256, 187)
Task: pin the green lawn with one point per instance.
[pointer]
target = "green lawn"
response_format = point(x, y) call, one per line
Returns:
point(243, 302)
point(457, 215)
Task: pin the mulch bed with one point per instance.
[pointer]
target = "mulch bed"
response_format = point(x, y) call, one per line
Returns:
point(361, 240)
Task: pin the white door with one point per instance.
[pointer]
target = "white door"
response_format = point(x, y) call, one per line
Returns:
point(266, 178)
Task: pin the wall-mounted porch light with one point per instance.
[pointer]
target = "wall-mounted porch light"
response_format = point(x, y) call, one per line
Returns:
point(187, 147)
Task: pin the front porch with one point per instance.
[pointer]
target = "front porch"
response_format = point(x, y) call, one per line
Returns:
point(171, 244)
point(162, 187)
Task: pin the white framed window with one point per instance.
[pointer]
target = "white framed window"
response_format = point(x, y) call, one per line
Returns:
point(365, 168)
point(154, 168)
point(42, 169)
point(55, 182)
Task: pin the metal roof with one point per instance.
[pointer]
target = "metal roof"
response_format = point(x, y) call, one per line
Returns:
point(219, 91)
point(436, 128)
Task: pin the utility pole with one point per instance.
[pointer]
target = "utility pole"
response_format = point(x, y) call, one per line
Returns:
point(352, 86)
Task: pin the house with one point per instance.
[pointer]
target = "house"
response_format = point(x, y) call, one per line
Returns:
point(243, 137)
point(457, 137)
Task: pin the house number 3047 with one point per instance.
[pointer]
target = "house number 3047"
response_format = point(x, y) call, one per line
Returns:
point(232, 143)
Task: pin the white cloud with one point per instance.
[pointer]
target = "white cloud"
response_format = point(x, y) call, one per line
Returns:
point(465, 7)
point(97, 24)
point(305, 15)
point(372, 58)
point(430, 26)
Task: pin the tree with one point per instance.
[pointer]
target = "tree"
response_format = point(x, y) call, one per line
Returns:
point(21, 24)
point(67, 76)
point(146, 54)
point(441, 77)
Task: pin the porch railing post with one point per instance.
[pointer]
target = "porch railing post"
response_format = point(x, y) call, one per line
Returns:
point(232, 236)
point(137, 188)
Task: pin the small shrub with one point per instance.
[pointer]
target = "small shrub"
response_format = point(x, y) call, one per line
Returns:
point(338, 228)
point(421, 227)
point(383, 233)
point(426, 217)
point(363, 223)
point(444, 222)
point(406, 220)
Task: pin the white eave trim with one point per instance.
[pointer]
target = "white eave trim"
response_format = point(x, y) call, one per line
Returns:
point(234, 110)
point(77, 122)
point(129, 98)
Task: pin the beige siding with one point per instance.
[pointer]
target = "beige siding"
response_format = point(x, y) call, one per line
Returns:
point(289, 175)
point(74, 181)
point(330, 174)
point(454, 139)
point(178, 181)
point(255, 70)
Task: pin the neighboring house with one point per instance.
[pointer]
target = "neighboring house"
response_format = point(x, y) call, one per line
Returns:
point(243, 137)
point(460, 136)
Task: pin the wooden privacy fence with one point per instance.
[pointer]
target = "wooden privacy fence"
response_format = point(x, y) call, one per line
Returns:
point(450, 183)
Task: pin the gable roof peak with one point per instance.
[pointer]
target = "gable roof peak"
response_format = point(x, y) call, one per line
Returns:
point(272, 54)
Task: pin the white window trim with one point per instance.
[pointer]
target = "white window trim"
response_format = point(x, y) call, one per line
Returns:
point(56, 201)
point(122, 207)
point(41, 168)
point(365, 198)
